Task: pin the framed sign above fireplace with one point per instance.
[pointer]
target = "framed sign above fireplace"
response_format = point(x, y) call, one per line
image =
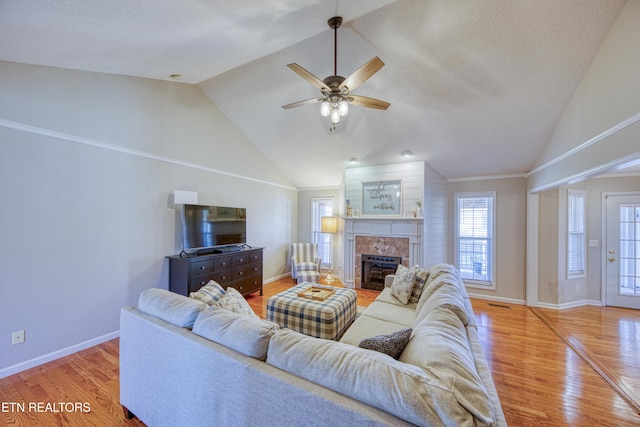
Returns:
point(382, 198)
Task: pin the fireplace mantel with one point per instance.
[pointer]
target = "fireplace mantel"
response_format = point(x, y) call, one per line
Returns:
point(402, 227)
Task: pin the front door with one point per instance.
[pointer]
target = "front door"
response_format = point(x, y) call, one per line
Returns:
point(623, 251)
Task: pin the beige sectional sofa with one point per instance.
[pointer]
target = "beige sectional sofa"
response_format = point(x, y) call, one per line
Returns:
point(185, 363)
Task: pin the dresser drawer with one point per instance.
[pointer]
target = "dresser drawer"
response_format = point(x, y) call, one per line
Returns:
point(248, 285)
point(254, 257)
point(246, 271)
point(223, 277)
point(196, 282)
point(220, 264)
point(201, 267)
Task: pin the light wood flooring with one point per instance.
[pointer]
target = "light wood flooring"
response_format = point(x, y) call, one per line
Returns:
point(540, 379)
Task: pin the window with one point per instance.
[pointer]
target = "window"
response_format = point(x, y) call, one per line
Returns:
point(575, 234)
point(475, 237)
point(322, 207)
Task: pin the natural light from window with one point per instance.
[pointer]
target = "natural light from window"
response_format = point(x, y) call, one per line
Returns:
point(322, 207)
point(474, 237)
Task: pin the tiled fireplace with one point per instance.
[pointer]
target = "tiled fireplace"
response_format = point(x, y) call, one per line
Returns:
point(374, 268)
point(399, 237)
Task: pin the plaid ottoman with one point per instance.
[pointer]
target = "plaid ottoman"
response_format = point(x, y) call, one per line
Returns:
point(326, 319)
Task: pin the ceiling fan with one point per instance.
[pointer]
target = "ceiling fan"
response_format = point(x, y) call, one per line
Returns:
point(336, 90)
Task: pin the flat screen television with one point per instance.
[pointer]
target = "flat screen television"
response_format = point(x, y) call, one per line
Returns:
point(211, 226)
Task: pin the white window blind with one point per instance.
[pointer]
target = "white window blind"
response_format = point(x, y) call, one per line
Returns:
point(576, 233)
point(322, 207)
point(475, 247)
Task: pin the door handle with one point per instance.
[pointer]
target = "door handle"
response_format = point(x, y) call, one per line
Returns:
point(611, 259)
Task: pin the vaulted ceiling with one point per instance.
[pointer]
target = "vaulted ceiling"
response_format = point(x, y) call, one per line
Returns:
point(475, 87)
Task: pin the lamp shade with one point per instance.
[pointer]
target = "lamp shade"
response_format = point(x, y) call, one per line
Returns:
point(329, 224)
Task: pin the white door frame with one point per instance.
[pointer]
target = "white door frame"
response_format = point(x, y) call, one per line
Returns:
point(531, 279)
point(603, 246)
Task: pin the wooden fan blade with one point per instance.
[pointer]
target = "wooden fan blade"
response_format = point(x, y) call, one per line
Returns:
point(363, 101)
point(362, 74)
point(299, 103)
point(308, 76)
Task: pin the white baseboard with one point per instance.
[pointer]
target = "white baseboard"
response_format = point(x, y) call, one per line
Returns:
point(273, 279)
point(498, 299)
point(28, 364)
point(566, 305)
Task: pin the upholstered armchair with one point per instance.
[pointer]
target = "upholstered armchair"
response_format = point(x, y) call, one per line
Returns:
point(305, 263)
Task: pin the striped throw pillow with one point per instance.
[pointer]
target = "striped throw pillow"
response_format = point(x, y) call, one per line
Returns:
point(210, 293)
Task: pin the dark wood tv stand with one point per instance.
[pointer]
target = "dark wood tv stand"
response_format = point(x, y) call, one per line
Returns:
point(241, 270)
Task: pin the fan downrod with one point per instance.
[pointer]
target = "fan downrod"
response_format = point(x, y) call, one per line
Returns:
point(335, 22)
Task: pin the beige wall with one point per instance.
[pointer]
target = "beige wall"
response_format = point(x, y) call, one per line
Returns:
point(88, 166)
point(548, 247)
point(511, 213)
point(553, 286)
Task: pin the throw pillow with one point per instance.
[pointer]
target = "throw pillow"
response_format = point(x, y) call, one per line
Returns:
point(209, 293)
point(418, 285)
point(403, 283)
point(233, 301)
point(391, 344)
point(243, 334)
point(171, 307)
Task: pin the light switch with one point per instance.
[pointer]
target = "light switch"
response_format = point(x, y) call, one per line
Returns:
point(594, 243)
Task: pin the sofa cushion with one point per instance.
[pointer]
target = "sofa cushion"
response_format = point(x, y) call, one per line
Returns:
point(209, 293)
point(246, 335)
point(397, 313)
point(403, 283)
point(171, 307)
point(390, 344)
point(418, 284)
point(376, 379)
point(440, 346)
point(385, 296)
point(447, 296)
point(365, 326)
point(445, 279)
point(442, 268)
point(233, 301)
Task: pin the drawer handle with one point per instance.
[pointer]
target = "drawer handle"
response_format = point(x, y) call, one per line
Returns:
point(202, 267)
point(241, 259)
point(241, 273)
point(202, 283)
point(223, 264)
point(223, 277)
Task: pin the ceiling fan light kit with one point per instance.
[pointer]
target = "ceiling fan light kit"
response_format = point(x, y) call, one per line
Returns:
point(336, 90)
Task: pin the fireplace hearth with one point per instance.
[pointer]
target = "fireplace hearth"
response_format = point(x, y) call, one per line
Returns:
point(375, 268)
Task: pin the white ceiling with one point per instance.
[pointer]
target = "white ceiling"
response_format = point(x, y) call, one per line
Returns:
point(475, 87)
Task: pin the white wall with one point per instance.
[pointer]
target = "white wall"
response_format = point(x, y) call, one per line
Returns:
point(88, 163)
point(411, 174)
point(418, 180)
point(434, 210)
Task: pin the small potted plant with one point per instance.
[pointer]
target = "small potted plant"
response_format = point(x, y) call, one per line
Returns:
point(418, 210)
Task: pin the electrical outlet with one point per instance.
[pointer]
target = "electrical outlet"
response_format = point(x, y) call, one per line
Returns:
point(17, 338)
